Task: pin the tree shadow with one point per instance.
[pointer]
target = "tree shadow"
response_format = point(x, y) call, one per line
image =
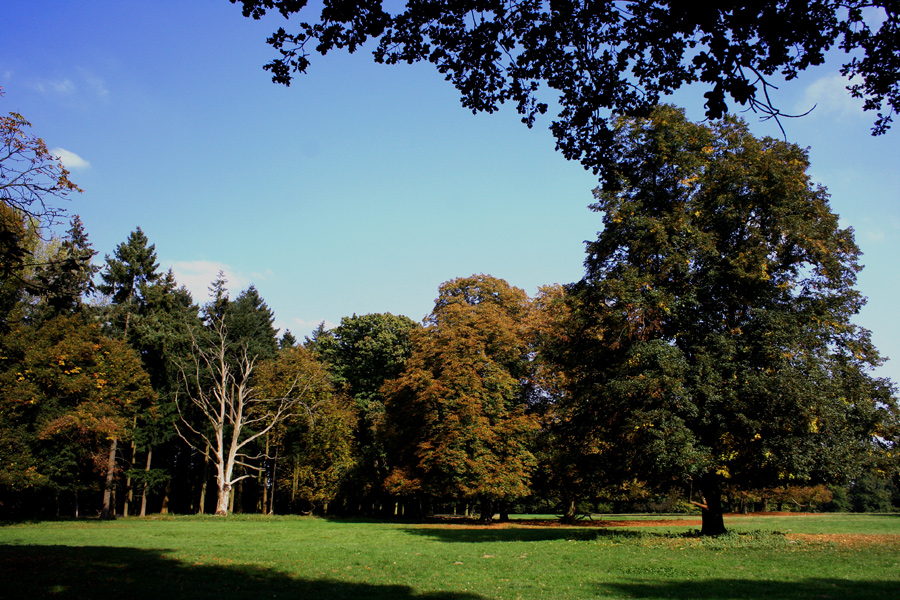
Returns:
point(463, 534)
point(106, 572)
point(718, 589)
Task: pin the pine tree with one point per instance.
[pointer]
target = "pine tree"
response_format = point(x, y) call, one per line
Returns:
point(68, 277)
point(132, 267)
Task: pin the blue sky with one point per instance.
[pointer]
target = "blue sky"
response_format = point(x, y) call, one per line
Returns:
point(361, 187)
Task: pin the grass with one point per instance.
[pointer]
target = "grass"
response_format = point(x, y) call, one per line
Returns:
point(296, 557)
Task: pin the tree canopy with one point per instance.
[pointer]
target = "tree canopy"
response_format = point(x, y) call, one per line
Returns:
point(602, 57)
point(714, 337)
point(457, 414)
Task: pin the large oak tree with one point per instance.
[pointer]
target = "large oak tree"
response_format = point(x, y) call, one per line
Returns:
point(713, 338)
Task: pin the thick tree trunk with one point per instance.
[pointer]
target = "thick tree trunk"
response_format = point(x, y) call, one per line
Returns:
point(504, 512)
point(487, 510)
point(712, 513)
point(570, 514)
point(224, 499)
point(144, 491)
point(109, 511)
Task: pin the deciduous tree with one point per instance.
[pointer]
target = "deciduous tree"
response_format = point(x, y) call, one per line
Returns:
point(32, 181)
point(363, 352)
point(69, 395)
point(316, 446)
point(713, 337)
point(456, 418)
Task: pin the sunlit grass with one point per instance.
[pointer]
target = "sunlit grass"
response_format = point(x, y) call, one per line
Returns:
point(295, 557)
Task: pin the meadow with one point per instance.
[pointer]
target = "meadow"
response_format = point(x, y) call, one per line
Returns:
point(807, 556)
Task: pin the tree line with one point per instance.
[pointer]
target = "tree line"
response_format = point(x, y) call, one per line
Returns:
point(708, 353)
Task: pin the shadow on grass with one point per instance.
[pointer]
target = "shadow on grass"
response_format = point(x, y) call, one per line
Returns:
point(104, 572)
point(453, 533)
point(717, 589)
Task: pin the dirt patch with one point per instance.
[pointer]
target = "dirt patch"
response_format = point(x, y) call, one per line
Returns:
point(847, 540)
point(616, 523)
point(525, 523)
point(469, 523)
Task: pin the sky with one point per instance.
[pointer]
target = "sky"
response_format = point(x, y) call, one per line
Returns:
point(361, 187)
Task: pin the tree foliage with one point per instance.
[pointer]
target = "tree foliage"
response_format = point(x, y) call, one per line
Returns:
point(63, 280)
point(607, 56)
point(714, 336)
point(32, 180)
point(316, 447)
point(67, 390)
point(33, 186)
point(362, 353)
point(456, 416)
point(250, 323)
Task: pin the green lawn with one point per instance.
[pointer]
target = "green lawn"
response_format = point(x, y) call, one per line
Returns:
point(294, 557)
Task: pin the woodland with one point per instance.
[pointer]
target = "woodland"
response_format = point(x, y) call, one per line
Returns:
point(706, 360)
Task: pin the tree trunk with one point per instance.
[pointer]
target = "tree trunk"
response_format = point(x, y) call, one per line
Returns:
point(571, 512)
point(264, 478)
point(487, 510)
point(202, 507)
point(274, 483)
point(144, 491)
point(712, 513)
point(109, 512)
point(504, 512)
point(164, 509)
point(224, 499)
point(129, 490)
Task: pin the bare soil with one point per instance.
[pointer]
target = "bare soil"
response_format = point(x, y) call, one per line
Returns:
point(468, 523)
point(846, 540)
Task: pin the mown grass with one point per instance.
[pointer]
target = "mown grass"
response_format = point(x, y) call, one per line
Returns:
point(295, 557)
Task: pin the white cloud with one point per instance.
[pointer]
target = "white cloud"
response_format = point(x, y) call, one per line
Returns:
point(57, 86)
point(830, 97)
point(198, 275)
point(83, 86)
point(95, 83)
point(70, 160)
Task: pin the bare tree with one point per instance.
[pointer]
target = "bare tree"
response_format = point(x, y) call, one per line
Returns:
point(219, 386)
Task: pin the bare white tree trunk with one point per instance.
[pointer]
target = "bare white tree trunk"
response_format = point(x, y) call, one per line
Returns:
point(223, 501)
